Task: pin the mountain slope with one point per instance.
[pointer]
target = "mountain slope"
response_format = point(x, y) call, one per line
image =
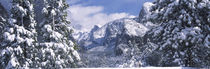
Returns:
point(112, 45)
point(109, 34)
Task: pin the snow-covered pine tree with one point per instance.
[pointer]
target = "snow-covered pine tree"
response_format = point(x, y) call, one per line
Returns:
point(2, 24)
point(18, 45)
point(56, 48)
point(183, 32)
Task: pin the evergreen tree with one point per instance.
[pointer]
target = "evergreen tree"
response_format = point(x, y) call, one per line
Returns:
point(19, 36)
point(56, 48)
point(183, 32)
point(2, 23)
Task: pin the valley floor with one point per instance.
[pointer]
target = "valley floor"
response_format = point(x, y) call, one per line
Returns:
point(99, 57)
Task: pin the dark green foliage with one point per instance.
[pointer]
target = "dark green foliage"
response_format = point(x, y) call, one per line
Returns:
point(183, 32)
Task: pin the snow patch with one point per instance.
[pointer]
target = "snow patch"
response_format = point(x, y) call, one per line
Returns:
point(12, 63)
point(147, 6)
point(29, 42)
point(135, 29)
point(9, 37)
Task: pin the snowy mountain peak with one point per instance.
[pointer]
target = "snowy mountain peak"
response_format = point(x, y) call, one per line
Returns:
point(96, 27)
point(109, 34)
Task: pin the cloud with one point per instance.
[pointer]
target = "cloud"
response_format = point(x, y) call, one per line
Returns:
point(73, 1)
point(83, 18)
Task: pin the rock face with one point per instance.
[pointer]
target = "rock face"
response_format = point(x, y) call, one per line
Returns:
point(114, 33)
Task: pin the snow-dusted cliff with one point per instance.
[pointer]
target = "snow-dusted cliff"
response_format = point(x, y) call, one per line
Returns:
point(109, 34)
